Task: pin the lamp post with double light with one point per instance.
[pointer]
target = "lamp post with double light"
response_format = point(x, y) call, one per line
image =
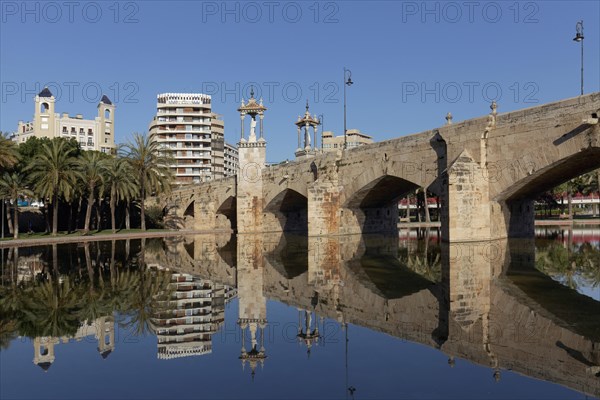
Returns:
point(347, 82)
point(579, 38)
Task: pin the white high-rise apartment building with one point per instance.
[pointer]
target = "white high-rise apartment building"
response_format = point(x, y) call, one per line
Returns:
point(186, 127)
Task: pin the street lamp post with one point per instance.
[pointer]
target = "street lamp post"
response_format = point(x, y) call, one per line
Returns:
point(348, 82)
point(579, 38)
point(321, 118)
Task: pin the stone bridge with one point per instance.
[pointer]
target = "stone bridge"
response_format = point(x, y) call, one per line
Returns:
point(486, 171)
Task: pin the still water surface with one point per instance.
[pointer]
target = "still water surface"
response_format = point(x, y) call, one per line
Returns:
point(281, 316)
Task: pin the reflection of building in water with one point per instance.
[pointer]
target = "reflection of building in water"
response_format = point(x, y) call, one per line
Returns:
point(252, 302)
point(28, 267)
point(103, 330)
point(195, 312)
point(308, 333)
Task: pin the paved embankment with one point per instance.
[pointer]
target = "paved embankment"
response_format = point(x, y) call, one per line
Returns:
point(44, 240)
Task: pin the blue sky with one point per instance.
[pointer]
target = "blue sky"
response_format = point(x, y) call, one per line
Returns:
point(411, 61)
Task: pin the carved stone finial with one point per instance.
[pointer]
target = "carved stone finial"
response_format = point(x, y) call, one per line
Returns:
point(252, 91)
point(449, 118)
point(494, 107)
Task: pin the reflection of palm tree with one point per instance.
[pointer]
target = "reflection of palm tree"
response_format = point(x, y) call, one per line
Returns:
point(58, 307)
point(587, 259)
point(122, 290)
point(430, 268)
point(570, 265)
point(11, 298)
point(9, 329)
point(92, 299)
point(423, 260)
point(51, 309)
point(147, 300)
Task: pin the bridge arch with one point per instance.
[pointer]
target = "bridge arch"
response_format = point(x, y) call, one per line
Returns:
point(552, 175)
point(375, 204)
point(189, 211)
point(290, 208)
point(523, 186)
point(228, 209)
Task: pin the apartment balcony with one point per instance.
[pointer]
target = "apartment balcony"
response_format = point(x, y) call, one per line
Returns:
point(181, 125)
point(190, 158)
point(198, 139)
point(172, 111)
point(193, 174)
point(184, 120)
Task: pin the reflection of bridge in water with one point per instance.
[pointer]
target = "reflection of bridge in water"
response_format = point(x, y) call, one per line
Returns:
point(487, 303)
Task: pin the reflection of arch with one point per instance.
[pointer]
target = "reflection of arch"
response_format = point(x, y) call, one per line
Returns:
point(229, 209)
point(228, 253)
point(189, 248)
point(550, 299)
point(290, 257)
point(291, 208)
point(377, 267)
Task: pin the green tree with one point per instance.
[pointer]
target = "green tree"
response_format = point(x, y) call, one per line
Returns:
point(92, 166)
point(14, 186)
point(8, 152)
point(55, 175)
point(151, 166)
point(120, 185)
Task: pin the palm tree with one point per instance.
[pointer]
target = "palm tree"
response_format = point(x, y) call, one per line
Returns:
point(151, 166)
point(8, 152)
point(92, 166)
point(54, 172)
point(120, 184)
point(14, 186)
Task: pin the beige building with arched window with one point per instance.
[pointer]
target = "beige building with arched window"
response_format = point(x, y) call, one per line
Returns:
point(97, 134)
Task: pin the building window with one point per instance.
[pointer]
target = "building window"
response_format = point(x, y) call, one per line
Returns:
point(65, 129)
point(90, 132)
point(81, 130)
